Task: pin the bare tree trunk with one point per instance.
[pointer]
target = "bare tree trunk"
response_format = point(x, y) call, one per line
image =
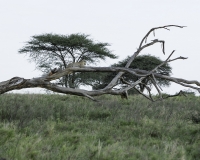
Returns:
point(45, 81)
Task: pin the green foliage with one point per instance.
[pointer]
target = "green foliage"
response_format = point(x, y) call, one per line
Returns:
point(144, 62)
point(50, 51)
point(5, 135)
point(68, 127)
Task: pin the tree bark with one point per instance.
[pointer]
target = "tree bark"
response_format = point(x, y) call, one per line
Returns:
point(45, 81)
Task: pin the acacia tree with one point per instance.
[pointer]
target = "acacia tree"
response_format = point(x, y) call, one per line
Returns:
point(144, 62)
point(45, 81)
point(50, 51)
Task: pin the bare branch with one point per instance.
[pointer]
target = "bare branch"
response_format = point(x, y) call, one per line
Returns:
point(141, 47)
point(56, 73)
point(149, 98)
point(19, 83)
point(154, 83)
point(153, 30)
point(180, 81)
point(115, 79)
point(175, 95)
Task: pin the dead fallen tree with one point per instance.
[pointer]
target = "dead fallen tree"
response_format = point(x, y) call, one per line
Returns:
point(45, 81)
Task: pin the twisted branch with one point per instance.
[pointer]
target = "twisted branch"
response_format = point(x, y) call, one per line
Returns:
point(45, 81)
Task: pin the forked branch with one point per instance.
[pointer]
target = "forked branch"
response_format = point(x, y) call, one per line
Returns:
point(141, 47)
point(45, 81)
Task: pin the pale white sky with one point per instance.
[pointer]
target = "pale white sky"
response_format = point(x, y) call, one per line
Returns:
point(122, 23)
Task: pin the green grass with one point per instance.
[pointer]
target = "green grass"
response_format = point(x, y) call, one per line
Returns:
point(56, 127)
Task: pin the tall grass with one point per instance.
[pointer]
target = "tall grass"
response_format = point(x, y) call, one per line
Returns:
point(60, 127)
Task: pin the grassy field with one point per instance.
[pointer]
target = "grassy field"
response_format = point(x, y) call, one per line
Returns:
point(55, 127)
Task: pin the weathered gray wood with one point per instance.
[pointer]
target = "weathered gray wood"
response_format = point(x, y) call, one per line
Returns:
point(45, 80)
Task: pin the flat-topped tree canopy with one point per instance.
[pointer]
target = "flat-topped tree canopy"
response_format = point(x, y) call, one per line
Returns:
point(152, 76)
point(58, 51)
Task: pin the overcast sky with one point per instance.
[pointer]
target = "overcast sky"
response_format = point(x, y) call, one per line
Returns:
point(122, 23)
